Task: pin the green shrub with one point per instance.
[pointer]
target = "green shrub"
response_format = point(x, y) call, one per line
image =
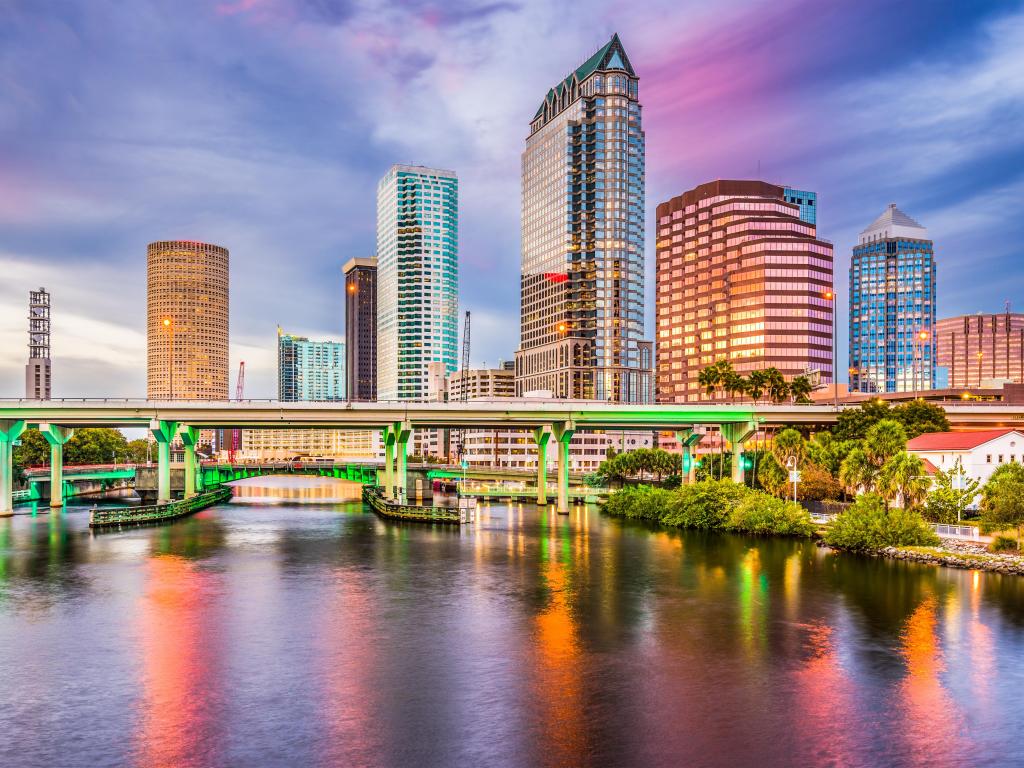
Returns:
point(761, 514)
point(1003, 544)
point(868, 524)
point(639, 502)
point(704, 505)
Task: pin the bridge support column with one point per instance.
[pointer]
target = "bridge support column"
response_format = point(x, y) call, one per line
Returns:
point(688, 440)
point(163, 432)
point(737, 434)
point(403, 431)
point(388, 436)
point(10, 430)
point(563, 432)
point(56, 437)
point(541, 436)
point(188, 440)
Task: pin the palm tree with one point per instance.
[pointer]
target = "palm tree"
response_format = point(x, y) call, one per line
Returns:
point(788, 443)
point(733, 383)
point(884, 440)
point(777, 387)
point(902, 480)
point(857, 472)
point(709, 378)
point(800, 389)
point(756, 383)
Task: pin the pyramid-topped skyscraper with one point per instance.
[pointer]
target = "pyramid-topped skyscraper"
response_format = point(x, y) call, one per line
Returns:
point(892, 306)
point(582, 281)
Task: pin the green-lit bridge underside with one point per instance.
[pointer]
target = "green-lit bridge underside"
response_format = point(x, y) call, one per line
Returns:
point(549, 421)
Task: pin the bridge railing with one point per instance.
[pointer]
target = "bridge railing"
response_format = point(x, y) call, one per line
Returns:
point(45, 468)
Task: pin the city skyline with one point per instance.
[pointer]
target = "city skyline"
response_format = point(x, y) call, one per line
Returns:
point(293, 205)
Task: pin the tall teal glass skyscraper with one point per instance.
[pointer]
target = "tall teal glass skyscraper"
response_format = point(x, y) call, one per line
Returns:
point(309, 370)
point(892, 306)
point(417, 278)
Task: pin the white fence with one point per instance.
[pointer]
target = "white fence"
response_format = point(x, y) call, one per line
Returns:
point(969, 532)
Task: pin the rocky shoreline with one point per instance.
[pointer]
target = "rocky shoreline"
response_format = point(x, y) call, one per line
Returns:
point(953, 553)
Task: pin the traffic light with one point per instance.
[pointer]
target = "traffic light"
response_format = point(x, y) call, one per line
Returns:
point(746, 461)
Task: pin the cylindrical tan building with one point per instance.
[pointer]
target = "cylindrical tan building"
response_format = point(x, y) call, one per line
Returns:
point(187, 320)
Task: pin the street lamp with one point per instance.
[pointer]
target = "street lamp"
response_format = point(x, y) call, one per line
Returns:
point(170, 358)
point(830, 295)
point(794, 475)
point(922, 337)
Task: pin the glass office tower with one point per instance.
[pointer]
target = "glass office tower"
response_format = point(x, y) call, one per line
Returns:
point(892, 307)
point(309, 370)
point(741, 276)
point(582, 281)
point(417, 278)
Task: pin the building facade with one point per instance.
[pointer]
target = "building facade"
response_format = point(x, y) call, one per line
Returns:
point(186, 321)
point(979, 453)
point(289, 444)
point(741, 276)
point(417, 278)
point(979, 350)
point(309, 370)
point(481, 383)
point(361, 328)
point(582, 279)
point(892, 307)
point(38, 370)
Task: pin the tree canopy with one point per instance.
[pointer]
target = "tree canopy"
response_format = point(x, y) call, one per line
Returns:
point(916, 416)
point(1002, 501)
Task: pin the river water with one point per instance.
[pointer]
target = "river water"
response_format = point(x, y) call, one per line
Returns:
point(301, 631)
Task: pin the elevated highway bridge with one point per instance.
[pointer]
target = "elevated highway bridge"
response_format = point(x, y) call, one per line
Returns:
point(548, 421)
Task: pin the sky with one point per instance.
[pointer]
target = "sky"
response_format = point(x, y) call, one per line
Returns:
point(265, 125)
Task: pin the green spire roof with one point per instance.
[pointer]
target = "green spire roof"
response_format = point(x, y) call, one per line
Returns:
point(611, 56)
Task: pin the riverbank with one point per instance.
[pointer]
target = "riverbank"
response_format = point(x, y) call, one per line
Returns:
point(951, 553)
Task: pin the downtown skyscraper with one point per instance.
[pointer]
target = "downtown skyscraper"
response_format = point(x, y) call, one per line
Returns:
point(742, 277)
point(309, 370)
point(417, 278)
point(361, 328)
point(582, 279)
point(892, 306)
point(186, 320)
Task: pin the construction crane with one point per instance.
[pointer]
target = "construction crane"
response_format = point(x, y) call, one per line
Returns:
point(464, 394)
point(236, 434)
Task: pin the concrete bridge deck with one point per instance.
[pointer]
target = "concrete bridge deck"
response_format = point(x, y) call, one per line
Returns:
point(554, 421)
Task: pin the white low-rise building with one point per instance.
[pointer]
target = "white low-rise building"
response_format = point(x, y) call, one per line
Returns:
point(980, 452)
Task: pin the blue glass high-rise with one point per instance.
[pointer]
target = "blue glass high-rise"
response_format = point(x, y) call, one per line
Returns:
point(892, 307)
point(309, 370)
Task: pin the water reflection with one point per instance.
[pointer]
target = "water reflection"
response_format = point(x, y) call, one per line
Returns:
point(181, 711)
point(557, 676)
point(283, 489)
point(318, 634)
point(928, 707)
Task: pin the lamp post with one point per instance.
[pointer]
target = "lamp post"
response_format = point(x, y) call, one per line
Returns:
point(922, 337)
point(170, 358)
point(793, 474)
point(830, 295)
